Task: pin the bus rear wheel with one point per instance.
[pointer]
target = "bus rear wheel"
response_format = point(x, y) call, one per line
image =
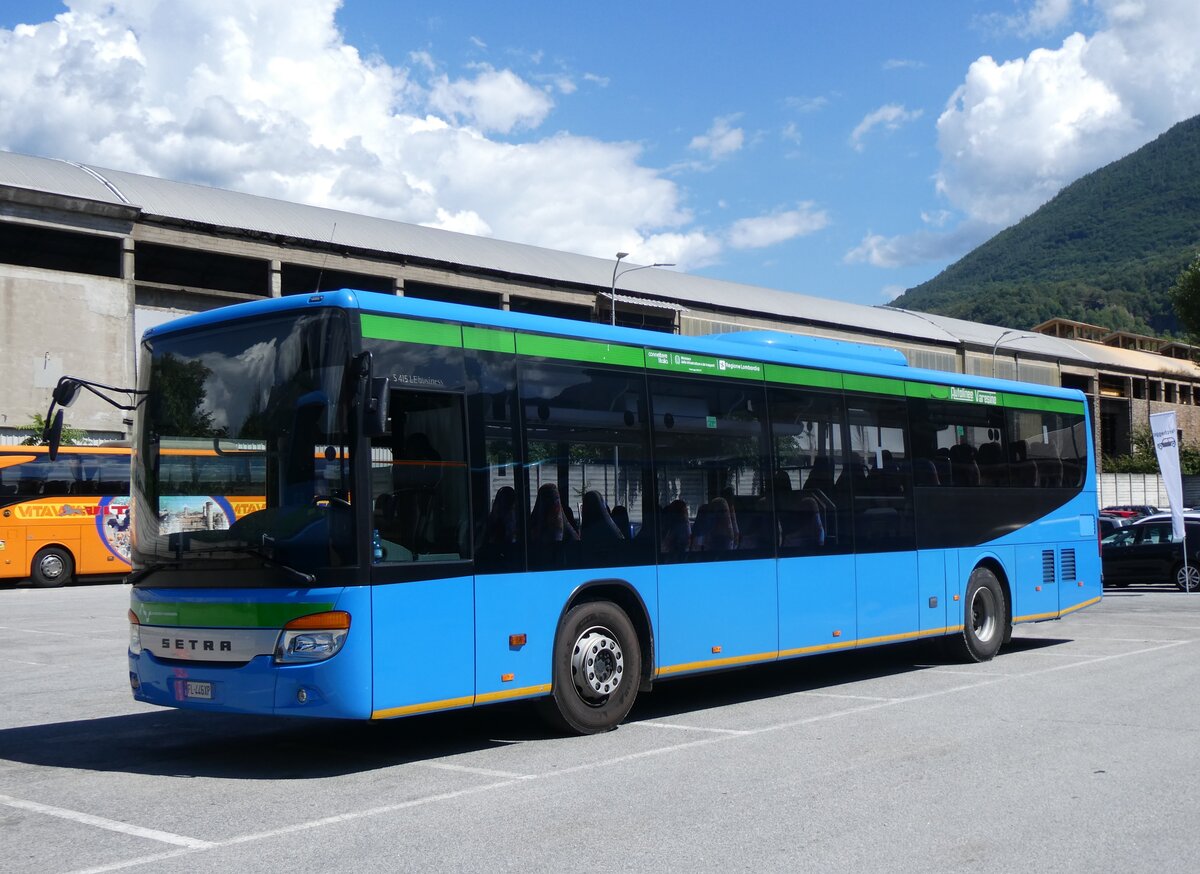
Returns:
point(52, 566)
point(985, 618)
point(597, 668)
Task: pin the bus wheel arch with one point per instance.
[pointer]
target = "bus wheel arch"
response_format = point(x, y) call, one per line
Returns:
point(52, 565)
point(599, 659)
point(987, 614)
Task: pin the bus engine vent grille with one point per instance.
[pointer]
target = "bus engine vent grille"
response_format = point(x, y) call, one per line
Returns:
point(1068, 565)
point(1048, 566)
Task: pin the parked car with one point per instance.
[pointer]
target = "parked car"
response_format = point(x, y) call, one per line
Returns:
point(1110, 523)
point(1131, 511)
point(1145, 552)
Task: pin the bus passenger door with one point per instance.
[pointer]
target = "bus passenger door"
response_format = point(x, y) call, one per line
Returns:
point(423, 599)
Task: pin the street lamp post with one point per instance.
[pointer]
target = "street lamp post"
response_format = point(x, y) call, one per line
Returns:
point(612, 292)
point(1020, 336)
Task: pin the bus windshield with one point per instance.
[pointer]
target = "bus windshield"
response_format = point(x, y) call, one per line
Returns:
point(242, 452)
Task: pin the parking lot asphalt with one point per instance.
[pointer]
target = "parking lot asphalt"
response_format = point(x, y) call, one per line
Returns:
point(1073, 750)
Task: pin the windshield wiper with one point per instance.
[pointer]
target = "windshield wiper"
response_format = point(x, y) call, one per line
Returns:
point(261, 553)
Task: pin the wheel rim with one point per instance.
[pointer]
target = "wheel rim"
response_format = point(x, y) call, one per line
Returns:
point(51, 566)
point(1188, 578)
point(983, 614)
point(597, 664)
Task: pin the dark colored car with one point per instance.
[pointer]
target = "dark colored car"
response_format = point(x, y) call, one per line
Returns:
point(1109, 524)
point(1145, 553)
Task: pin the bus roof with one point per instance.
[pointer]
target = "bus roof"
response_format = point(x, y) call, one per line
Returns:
point(764, 346)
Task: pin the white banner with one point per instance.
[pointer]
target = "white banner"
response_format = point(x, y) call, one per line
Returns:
point(1166, 445)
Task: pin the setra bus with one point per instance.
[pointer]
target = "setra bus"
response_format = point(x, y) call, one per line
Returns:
point(515, 506)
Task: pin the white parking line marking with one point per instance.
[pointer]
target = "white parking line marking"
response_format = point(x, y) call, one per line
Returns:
point(724, 735)
point(679, 727)
point(483, 772)
point(36, 631)
point(848, 697)
point(109, 824)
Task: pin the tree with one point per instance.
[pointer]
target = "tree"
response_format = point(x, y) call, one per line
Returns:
point(1185, 298)
point(1143, 458)
point(37, 424)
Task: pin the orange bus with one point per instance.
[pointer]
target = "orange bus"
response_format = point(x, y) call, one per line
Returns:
point(69, 517)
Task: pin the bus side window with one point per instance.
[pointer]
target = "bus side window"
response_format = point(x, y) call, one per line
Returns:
point(710, 450)
point(882, 491)
point(419, 486)
point(586, 455)
point(808, 435)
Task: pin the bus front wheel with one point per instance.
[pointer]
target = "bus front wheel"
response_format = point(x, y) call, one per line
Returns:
point(597, 668)
point(985, 618)
point(52, 566)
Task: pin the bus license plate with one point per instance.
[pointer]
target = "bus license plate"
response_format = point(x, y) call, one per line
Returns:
point(198, 690)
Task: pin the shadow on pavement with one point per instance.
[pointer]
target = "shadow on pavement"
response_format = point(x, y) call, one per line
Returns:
point(231, 746)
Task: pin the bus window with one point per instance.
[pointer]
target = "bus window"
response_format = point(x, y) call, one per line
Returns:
point(709, 452)
point(808, 431)
point(499, 510)
point(959, 444)
point(587, 462)
point(419, 480)
point(1047, 449)
point(879, 476)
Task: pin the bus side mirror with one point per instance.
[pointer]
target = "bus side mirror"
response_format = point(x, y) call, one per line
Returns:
point(53, 434)
point(375, 415)
point(65, 392)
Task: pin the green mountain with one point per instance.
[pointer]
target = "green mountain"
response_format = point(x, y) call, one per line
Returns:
point(1105, 250)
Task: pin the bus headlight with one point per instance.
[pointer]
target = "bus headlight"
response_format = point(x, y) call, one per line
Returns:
point(135, 634)
point(312, 638)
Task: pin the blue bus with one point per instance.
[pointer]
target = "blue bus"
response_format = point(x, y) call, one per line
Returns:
point(464, 506)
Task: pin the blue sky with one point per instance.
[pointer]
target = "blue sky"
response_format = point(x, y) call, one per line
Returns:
point(847, 151)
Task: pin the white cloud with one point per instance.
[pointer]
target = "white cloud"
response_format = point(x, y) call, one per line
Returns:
point(1039, 18)
point(806, 104)
point(890, 116)
point(721, 140)
point(903, 64)
point(494, 101)
point(777, 227)
point(1015, 132)
point(265, 96)
point(920, 247)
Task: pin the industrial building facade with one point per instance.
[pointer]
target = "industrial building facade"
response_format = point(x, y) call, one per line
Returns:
point(89, 258)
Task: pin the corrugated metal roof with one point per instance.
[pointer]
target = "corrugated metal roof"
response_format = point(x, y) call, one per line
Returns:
point(203, 205)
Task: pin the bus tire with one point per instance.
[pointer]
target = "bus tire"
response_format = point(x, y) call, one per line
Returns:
point(52, 566)
point(1186, 580)
point(985, 618)
point(597, 668)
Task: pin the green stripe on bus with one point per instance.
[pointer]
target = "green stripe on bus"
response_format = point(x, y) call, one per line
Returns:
point(1046, 405)
point(803, 376)
point(704, 365)
point(879, 385)
point(580, 350)
point(489, 340)
point(228, 615)
point(411, 331)
point(927, 391)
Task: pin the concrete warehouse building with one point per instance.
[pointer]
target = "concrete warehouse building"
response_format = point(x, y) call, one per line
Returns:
point(89, 258)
